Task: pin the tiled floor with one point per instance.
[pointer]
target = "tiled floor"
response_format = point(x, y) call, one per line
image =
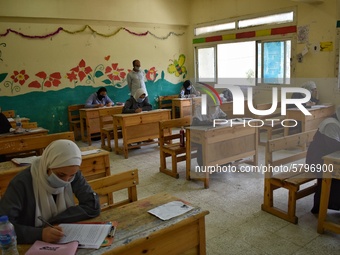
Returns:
point(236, 224)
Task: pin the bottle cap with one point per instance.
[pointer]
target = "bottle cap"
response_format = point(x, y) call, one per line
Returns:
point(3, 218)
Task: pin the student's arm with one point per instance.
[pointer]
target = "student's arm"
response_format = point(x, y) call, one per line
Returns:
point(108, 100)
point(18, 203)
point(88, 206)
point(128, 107)
point(91, 102)
point(146, 105)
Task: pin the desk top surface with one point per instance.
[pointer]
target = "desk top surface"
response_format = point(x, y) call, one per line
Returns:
point(127, 115)
point(135, 223)
point(335, 156)
point(99, 108)
point(314, 108)
point(30, 131)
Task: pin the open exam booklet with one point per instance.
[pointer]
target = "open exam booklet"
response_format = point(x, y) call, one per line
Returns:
point(88, 235)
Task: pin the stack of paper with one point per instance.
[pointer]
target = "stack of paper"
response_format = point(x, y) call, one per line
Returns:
point(24, 161)
point(88, 235)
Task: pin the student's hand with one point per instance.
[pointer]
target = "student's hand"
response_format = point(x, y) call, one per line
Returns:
point(108, 104)
point(100, 105)
point(52, 235)
point(138, 110)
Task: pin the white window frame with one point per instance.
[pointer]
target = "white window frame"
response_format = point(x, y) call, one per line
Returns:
point(291, 37)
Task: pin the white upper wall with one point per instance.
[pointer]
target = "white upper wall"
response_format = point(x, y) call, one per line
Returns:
point(174, 12)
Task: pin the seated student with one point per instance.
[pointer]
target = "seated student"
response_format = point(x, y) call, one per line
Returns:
point(139, 102)
point(99, 99)
point(326, 140)
point(47, 189)
point(187, 90)
point(311, 86)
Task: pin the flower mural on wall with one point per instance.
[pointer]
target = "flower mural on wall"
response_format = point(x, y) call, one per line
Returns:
point(17, 77)
point(48, 81)
point(115, 75)
point(79, 72)
point(151, 74)
point(177, 67)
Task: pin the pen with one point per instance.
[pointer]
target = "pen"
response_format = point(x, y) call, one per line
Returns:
point(112, 231)
point(47, 223)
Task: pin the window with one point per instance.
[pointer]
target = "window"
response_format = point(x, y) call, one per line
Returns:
point(248, 57)
point(206, 64)
point(246, 63)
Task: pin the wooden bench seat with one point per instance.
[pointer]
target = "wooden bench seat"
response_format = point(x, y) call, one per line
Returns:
point(74, 119)
point(291, 180)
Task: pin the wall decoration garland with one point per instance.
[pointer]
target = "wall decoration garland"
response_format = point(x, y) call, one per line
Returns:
point(60, 29)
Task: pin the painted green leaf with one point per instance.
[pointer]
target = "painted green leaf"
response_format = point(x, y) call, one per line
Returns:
point(3, 76)
point(107, 81)
point(162, 75)
point(98, 74)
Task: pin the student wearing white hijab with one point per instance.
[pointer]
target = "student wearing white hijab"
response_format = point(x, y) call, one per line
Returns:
point(47, 189)
point(326, 141)
point(137, 103)
point(311, 87)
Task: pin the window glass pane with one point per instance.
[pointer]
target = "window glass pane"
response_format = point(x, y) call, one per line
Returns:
point(214, 28)
point(270, 19)
point(236, 63)
point(206, 64)
point(259, 62)
point(273, 62)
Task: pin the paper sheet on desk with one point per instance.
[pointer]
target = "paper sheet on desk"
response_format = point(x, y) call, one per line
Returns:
point(84, 153)
point(34, 130)
point(170, 210)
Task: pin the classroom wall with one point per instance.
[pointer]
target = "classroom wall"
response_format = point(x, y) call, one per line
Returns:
point(56, 53)
point(320, 19)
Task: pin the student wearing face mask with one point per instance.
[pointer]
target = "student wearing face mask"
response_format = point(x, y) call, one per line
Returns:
point(99, 99)
point(47, 189)
point(136, 78)
point(139, 102)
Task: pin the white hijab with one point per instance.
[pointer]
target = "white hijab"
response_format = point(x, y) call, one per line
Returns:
point(59, 153)
point(138, 93)
point(310, 85)
point(331, 126)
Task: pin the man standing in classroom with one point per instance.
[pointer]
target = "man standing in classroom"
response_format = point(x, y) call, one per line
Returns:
point(135, 78)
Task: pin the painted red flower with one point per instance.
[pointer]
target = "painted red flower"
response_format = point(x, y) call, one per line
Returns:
point(82, 70)
point(71, 76)
point(20, 77)
point(151, 74)
point(114, 73)
point(53, 79)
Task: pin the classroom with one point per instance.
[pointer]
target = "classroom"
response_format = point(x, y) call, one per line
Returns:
point(55, 54)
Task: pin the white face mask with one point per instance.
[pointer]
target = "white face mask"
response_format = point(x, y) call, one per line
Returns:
point(140, 100)
point(137, 68)
point(56, 182)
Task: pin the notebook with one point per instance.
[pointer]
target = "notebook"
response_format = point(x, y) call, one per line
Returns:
point(43, 248)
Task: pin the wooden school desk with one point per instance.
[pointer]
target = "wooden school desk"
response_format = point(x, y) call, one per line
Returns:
point(186, 106)
point(220, 145)
point(324, 224)
point(137, 127)
point(139, 232)
point(309, 122)
point(27, 132)
point(89, 121)
point(93, 166)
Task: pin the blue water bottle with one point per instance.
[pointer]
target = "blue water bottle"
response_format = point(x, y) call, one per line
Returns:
point(8, 238)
